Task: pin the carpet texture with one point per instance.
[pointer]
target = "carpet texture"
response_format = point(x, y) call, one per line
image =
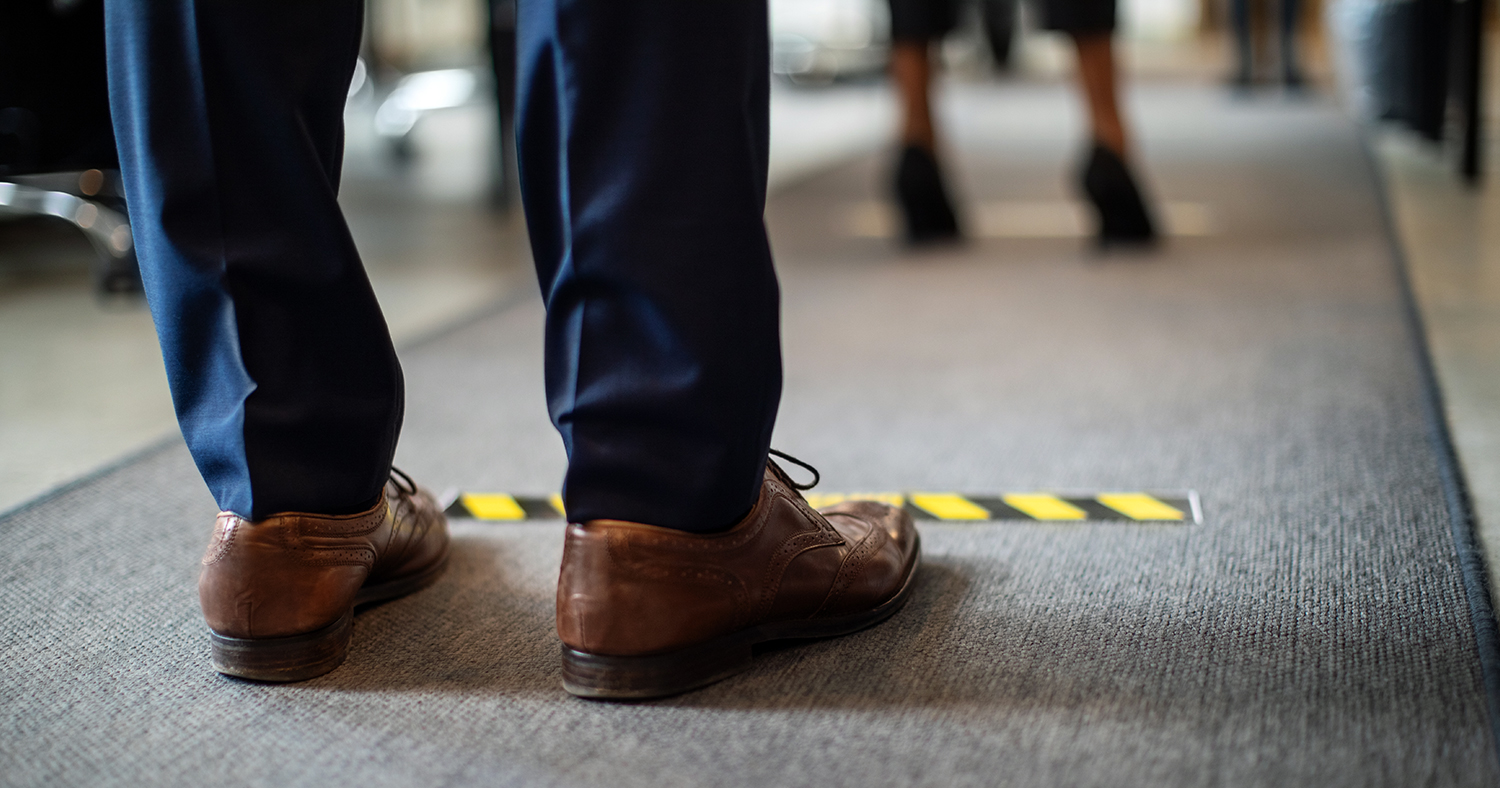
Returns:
point(1313, 631)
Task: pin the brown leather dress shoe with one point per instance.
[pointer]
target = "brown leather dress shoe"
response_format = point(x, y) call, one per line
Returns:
point(645, 612)
point(279, 594)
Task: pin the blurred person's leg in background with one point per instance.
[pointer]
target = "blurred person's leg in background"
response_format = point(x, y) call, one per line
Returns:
point(1106, 178)
point(229, 122)
point(1244, 45)
point(1244, 75)
point(502, 38)
point(1291, 68)
point(1097, 78)
point(916, 27)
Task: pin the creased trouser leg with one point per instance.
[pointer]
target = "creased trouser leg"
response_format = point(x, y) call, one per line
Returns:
point(228, 116)
point(643, 132)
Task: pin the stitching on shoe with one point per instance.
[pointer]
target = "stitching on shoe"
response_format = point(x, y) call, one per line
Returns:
point(776, 569)
point(314, 554)
point(355, 525)
point(405, 524)
point(795, 545)
point(814, 515)
point(853, 564)
point(679, 544)
point(225, 530)
point(618, 553)
point(318, 556)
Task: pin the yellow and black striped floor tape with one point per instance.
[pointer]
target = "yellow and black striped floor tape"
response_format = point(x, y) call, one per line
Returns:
point(1179, 507)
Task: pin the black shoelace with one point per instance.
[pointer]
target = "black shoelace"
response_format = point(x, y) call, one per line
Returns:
point(817, 477)
point(403, 482)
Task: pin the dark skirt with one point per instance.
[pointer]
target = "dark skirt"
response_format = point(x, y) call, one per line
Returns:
point(924, 20)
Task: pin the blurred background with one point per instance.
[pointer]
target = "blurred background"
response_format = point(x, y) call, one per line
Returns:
point(430, 194)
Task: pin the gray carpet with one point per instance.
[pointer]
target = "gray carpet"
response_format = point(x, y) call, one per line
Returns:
point(1313, 631)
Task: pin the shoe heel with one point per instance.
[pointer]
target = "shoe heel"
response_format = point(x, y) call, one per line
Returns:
point(286, 659)
point(1123, 217)
point(924, 198)
point(639, 678)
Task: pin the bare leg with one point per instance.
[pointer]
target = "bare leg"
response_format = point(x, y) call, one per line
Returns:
point(1123, 216)
point(911, 71)
point(1291, 74)
point(1096, 75)
point(919, 180)
point(1239, 15)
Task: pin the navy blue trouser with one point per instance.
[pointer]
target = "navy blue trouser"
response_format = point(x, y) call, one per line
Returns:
point(642, 130)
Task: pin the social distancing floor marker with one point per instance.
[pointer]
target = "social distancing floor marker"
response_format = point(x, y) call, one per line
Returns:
point(1141, 507)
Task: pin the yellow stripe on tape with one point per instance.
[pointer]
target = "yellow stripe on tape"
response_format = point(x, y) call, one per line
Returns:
point(1044, 507)
point(950, 506)
point(825, 500)
point(493, 506)
point(1139, 506)
point(941, 505)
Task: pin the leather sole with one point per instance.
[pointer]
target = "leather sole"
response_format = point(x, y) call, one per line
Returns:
point(309, 655)
point(599, 677)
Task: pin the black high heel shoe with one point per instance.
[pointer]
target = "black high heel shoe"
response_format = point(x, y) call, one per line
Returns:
point(1123, 217)
point(923, 198)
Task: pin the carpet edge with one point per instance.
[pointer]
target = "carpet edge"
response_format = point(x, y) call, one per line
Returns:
point(119, 463)
point(1461, 521)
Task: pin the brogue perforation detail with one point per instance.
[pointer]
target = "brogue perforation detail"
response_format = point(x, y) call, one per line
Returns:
point(336, 556)
point(226, 527)
point(694, 573)
point(719, 544)
point(310, 543)
point(853, 564)
point(354, 525)
point(776, 569)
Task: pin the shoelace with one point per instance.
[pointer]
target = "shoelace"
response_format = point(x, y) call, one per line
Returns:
point(817, 477)
point(403, 482)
